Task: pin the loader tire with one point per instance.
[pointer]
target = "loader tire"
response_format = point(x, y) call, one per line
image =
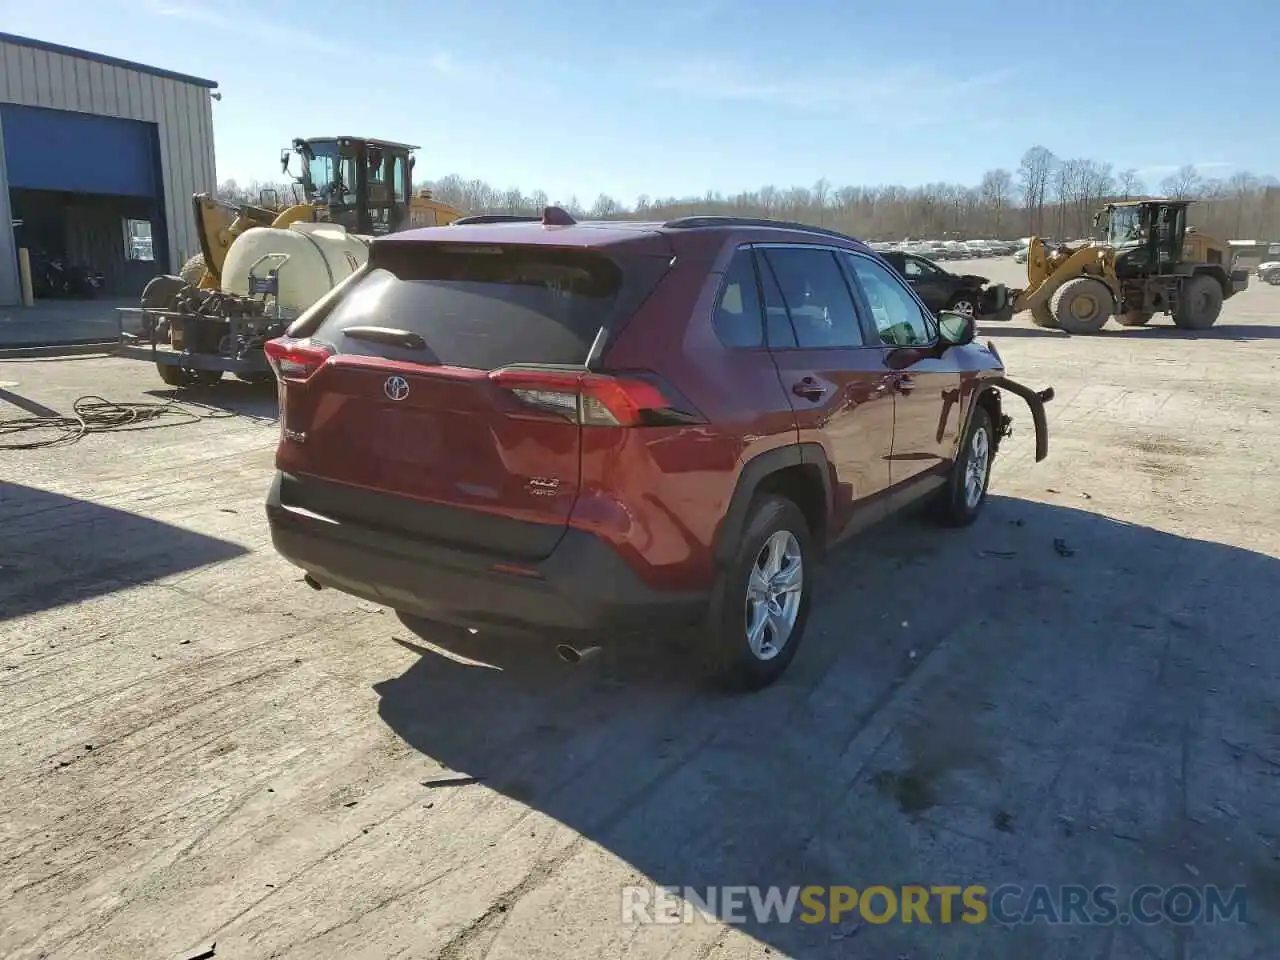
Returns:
point(1042, 316)
point(193, 270)
point(1199, 303)
point(1082, 305)
point(1134, 318)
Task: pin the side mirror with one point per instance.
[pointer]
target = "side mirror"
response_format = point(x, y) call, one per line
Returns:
point(956, 329)
point(285, 156)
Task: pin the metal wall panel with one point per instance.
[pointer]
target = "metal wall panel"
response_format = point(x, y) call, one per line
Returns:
point(41, 75)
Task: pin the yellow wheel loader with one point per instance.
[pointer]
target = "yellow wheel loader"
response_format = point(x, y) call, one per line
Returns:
point(1151, 262)
point(260, 266)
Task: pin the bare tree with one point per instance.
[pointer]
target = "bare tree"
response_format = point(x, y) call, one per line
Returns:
point(1183, 183)
point(605, 207)
point(996, 193)
point(1130, 184)
point(1033, 178)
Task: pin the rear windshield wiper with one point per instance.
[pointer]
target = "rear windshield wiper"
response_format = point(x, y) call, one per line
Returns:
point(391, 336)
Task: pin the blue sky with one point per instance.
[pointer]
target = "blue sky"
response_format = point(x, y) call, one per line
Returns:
point(675, 98)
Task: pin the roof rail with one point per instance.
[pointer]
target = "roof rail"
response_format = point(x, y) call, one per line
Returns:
point(690, 223)
point(495, 218)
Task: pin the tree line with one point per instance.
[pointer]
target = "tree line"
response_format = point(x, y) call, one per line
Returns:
point(1045, 195)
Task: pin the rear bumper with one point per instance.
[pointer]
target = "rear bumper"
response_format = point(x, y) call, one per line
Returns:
point(583, 586)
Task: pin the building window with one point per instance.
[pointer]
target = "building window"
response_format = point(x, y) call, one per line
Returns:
point(137, 240)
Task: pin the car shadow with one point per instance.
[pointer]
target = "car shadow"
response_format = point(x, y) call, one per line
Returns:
point(61, 550)
point(257, 401)
point(960, 696)
point(1003, 330)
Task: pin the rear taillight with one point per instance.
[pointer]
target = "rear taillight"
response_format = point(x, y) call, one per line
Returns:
point(294, 359)
point(598, 400)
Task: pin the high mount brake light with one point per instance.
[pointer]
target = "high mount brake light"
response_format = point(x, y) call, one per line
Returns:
point(596, 400)
point(294, 359)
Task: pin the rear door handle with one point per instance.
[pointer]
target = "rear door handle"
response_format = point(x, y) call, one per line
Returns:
point(906, 383)
point(809, 388)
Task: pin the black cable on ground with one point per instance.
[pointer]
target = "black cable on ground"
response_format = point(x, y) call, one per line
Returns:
point(93, 414)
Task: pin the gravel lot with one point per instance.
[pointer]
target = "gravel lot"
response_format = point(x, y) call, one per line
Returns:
point(196, 748)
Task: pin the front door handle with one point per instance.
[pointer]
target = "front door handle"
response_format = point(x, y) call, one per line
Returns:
point(809, 388)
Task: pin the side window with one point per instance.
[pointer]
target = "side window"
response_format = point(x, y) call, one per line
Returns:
point(898, 317)
point(776, 319)
point(817, 297)
point(911, 270)
point(737, 319)
point(926, 269)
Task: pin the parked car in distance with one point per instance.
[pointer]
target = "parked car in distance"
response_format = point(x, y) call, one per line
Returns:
point(579, 429)
point(940, 289)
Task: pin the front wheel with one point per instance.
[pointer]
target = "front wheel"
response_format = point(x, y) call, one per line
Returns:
point(1082, 305)
point(962, 499)
point(965, 303)
point(760, 602)
point(1042, 317)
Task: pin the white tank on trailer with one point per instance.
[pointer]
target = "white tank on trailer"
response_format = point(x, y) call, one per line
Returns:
point(310, 258)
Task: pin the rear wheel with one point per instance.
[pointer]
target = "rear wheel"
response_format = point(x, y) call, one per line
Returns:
point(1042, 316)
point(760, 602)
point(1134, 318)
point(1082, 305)
point(172, 375)
point(176, 376)
point(1199, 303)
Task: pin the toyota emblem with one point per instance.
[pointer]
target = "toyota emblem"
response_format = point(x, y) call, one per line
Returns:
point(396, 388)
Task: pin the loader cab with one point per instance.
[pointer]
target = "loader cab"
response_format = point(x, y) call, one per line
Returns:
point(364, 185)
point(1147, 235)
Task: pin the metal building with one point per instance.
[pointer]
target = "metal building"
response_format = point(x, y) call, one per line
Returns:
point(99, 158)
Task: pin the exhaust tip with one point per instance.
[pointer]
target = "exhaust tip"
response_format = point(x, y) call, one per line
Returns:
point(312, 582)
point(571, 654)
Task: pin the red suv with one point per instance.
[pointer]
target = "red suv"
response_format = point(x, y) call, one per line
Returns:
point(585, 428)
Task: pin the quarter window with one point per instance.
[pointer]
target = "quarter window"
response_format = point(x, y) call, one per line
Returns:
point(816, 296)
point(900, 320)
point(737, 319)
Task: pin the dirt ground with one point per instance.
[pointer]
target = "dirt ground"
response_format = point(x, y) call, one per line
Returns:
point(195, 748)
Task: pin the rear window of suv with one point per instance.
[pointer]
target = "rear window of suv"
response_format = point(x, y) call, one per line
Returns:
point(484, 307)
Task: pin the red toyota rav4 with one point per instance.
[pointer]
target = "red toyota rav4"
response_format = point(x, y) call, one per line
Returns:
point(584, 428)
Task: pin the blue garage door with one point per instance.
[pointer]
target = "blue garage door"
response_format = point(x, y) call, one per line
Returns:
point(78, 152)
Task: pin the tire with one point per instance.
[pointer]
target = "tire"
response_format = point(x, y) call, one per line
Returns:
point(727, 653)
point(1041, 316)
point(161, 292)
point(1082, 305)
point(959, 502)
point(966, 303)
point(1134, 318)
point(1199, 303)
point(193, 270)
point(183, 377)
point(173, 376)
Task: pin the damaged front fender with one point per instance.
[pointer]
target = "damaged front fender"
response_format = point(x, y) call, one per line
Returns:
point(1035, 400)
